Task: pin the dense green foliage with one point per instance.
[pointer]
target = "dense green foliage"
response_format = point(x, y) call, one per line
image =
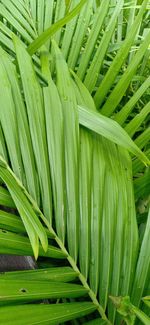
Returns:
point(74, 160)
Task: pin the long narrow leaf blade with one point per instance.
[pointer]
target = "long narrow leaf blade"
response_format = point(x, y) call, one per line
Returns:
point(44, 314)
point(43, 38)
point(109, 129)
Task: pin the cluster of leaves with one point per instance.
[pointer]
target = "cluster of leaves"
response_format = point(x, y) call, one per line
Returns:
point(74, 157)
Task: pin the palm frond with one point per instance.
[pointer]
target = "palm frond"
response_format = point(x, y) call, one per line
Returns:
point(67, 192)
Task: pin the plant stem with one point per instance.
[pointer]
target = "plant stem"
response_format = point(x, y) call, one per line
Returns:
point(83, 281)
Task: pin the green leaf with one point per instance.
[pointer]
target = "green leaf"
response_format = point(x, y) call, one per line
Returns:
point(146, 300)
point(36, 118)
point(142, 269)
point(41, 40)
point(5, 198)
point(58, 274)
point(141, 316)
point(3, 149)
point(136, 122)
point(69, 32)
point(85, 160)
point(142, 185)
point(16, 20)
point(21, 129)
point(96, 64)
point(143, 138)
point(68, 3)
point(138, 165)
point(123, 114)
point(79, 34)
point(29, 218)
point(55, 139)
point(11, 222)
point(98, 20)
point(44, 314)
point(25, 291)
point(121, 87)
point(60, 12)
point(85, 180)
point(119, 58)
point(14, 244)
point(33, 8)
point(71, 146)
point(8, 122)
point(109, 129)
point(40, 15)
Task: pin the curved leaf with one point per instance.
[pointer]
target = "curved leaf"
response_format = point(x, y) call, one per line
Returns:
point(110, 130)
